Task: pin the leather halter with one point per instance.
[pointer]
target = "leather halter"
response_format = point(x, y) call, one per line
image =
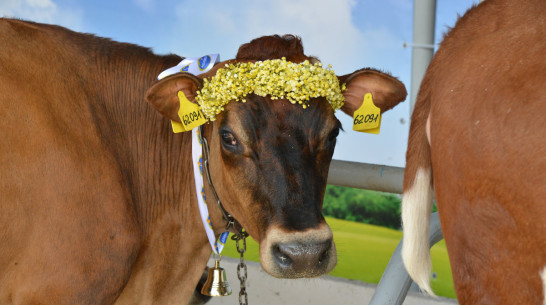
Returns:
point(231, 221)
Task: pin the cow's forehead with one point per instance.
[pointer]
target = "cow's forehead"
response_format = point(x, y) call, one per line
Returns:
point(259, 116)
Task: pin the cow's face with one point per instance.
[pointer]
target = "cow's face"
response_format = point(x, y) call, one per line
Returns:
point(269, 162)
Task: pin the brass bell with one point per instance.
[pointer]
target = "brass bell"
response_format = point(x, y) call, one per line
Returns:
point(216, 284)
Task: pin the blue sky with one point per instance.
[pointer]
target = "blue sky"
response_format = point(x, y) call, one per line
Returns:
point(348, 34)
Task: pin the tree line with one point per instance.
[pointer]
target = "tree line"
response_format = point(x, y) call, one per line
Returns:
point(371, 207)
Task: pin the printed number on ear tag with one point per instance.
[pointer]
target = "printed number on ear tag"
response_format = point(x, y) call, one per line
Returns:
point(190, 115)
point(367, 118)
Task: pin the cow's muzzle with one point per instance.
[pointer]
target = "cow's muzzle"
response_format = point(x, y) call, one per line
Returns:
point(309, 253)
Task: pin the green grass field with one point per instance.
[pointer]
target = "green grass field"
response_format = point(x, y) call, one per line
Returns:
point(363, 253)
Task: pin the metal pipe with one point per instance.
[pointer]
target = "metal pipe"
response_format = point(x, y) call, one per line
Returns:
point(366, 176)
point(424, 19)
point(395, 282)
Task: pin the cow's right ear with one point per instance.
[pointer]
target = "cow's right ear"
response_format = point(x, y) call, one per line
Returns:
point(163, 95)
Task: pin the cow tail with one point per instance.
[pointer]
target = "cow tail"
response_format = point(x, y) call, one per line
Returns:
point(417, 198)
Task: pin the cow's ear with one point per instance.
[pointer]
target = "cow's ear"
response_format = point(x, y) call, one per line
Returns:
point(163, 95)
point(386, 90)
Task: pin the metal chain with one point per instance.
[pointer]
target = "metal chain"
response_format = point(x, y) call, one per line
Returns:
point(241, 268)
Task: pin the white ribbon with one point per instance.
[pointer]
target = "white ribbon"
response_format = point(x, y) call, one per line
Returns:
point(194, 66)
point(197, 66)
point(217, 245)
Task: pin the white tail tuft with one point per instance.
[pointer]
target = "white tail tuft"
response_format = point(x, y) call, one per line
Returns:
point(543, 277)
point(416, 209)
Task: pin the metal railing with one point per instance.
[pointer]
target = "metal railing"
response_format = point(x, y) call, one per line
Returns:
point(366, 176)
point(395, 282)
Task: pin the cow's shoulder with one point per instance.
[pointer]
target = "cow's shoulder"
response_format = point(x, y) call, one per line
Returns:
point(72, 226)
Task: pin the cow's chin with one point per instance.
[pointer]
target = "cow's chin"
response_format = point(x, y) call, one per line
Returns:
point(308, 253)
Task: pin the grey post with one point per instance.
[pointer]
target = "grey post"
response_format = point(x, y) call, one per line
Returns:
point(395, 282)
point(424, 19)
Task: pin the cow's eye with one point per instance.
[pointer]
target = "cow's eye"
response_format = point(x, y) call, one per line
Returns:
point(331, 141)
point(229, 141)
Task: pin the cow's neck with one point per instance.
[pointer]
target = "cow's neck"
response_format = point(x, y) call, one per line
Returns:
point(158, 175)
point(156, 162)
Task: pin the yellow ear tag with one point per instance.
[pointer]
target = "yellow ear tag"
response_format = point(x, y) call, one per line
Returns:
point(190, 115)
point(367, 118)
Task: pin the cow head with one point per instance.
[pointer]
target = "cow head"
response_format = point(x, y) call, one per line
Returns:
point(269, 158)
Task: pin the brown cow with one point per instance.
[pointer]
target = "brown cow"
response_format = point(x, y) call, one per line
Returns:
point(478, 131)
point(97, 193)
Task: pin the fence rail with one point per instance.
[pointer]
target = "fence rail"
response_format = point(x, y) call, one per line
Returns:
point(366, 176)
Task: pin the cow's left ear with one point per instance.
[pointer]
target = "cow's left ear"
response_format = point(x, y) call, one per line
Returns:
point(386, 90)
point(163, 95)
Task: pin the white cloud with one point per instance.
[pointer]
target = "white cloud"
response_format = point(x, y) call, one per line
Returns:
point(41, 4)
point(327, 29)
point(46, 11)
point(39, 10)
point(325, 26)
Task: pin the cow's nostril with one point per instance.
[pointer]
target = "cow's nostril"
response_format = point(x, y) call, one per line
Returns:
point(325, 254)
point(282, 258)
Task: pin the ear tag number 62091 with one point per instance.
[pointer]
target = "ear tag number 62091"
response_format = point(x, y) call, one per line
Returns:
point(367, 118)
point(190, 115)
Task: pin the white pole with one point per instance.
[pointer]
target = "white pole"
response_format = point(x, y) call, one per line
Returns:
point(424, 19)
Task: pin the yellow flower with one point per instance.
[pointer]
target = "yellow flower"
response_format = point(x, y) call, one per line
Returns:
point(277, 78)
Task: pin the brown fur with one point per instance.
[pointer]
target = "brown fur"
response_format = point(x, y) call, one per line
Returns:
point(91, 189)
point(271, 47)
point(484, 91)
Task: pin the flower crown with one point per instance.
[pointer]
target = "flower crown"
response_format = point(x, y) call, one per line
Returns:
point(277, 77)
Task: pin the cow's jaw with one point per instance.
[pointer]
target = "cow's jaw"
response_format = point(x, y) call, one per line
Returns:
point(308, 253)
